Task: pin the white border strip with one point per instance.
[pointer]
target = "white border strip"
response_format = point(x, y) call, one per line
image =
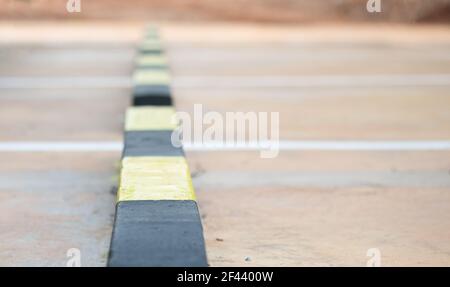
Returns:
point(328, 145)
point(64, 82)
point(45, 146)
point(268, 81)
point(311, 81)
point(60, 146)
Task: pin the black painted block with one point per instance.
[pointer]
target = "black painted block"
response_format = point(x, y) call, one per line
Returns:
point(154, 95)
point(157, 233)
point(151, 66)
point(150, 143)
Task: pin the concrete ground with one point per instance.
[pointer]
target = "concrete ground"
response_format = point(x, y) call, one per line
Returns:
point(305, 207)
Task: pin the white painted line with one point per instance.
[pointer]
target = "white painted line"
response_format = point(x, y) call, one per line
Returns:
point(272, 81)
point(60, 146)
point(330, 145)
point(325, 179)
point(296, 55)
point(64, 82)
point(307, 81)
point(282, 145)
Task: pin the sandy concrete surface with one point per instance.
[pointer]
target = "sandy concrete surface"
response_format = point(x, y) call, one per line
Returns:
point(316, 208)
point(52, 202)
point(307, 226)
point(302, 208)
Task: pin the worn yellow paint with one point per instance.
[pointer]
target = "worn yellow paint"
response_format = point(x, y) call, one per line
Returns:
point(151, 29)
point(151, 60)
point(150, 118)
point(151, 41)
point(151, 77)
point(155, 178)
point(152, 33)
point(151, 44)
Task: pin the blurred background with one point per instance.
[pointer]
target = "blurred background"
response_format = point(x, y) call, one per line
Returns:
point(282, 11)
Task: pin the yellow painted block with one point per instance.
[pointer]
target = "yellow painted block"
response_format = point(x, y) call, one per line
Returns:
point(151, 44)
point(151, 36)
point(151, 29)
point(155, 178)
point(151, 33)
point(152, 41)
point(151, 60)
point(150, 118)
point(151, 77)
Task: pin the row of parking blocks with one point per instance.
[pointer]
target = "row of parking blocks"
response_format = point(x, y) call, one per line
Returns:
point(157, 222)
